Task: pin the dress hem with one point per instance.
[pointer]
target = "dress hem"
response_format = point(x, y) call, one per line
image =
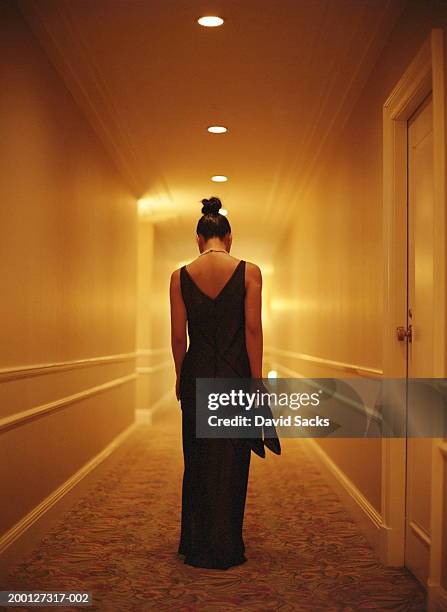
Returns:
point(208, 564)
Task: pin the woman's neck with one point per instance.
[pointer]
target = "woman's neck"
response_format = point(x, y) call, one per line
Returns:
point(214, 243)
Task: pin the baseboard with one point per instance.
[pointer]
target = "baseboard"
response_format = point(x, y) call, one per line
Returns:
point(437, 598)
point(361, 510)
point(144, 415)
point(15, 532)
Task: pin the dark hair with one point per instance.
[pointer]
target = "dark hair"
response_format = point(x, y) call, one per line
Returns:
point(212, 223)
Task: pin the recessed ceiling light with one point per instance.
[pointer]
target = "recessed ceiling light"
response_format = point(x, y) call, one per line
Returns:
point(217, 129)
point(219, 178)
point(210, 21)
point(223, 211)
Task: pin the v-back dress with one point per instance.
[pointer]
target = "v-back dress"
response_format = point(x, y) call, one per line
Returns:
point(216, 470)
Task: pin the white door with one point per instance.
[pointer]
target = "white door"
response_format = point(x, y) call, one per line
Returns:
point(420, 322)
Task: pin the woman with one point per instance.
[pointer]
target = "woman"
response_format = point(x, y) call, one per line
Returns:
point(219, 297)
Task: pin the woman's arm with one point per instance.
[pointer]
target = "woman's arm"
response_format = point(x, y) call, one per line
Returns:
point(253, 319)
point(178, 326)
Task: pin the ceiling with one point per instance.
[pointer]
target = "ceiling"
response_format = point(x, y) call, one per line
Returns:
point(282, 75)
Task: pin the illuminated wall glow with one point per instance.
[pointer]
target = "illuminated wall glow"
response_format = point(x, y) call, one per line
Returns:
point(158, 208)
point(266, 269)
point(280, 304)
point(145, 207)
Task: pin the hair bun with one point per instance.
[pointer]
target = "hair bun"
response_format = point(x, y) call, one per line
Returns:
point(211, 206)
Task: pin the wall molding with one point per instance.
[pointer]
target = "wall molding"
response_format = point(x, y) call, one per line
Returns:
point(155, 368)
point(437, 594)
point(144, 415)
point(287, 371)
point(424, 75)
point(437, 598)
point(350, 368)
point(366, 516)
point(36, 513)
point(420, 533)
point(39, 369)
point(142, 352)
point(361, 406)
point(43, 409)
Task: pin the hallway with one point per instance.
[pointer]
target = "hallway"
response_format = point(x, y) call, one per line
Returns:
point(304, 551)
point(321, 125)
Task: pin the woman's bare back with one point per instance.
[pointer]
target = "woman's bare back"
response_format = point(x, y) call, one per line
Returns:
point(211, 271)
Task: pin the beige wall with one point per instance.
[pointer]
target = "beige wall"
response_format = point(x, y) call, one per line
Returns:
point(145, 359)
point(328, 292)
point(68, 275)
point(162, 381)
point(145, 272)
point(156, 378)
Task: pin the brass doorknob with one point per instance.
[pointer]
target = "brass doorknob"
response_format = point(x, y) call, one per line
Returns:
point(404, 333)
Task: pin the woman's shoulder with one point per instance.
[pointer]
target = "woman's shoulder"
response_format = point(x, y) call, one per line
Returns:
point(252, 269)
point(253, 276)
point(175, 276)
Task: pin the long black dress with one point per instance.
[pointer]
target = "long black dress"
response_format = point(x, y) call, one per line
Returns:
point(216, 470)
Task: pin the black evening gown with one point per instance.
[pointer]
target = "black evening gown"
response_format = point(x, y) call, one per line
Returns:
point(216, 470)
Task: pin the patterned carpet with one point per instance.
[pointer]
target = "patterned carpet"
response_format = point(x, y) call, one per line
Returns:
point(304, 552)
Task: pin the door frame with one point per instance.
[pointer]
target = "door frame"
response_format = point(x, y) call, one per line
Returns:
point(425, 74)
